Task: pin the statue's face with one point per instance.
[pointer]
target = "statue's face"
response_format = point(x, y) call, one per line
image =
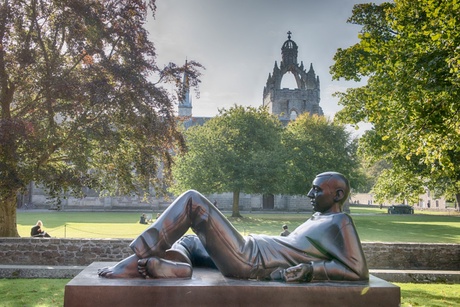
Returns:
point(322, 195)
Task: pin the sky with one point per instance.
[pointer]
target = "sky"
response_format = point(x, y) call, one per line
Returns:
point(238, 42)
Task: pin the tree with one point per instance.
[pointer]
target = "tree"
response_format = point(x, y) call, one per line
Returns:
point(236, 151)
point(384, 189)
point(83, 101)
point(408, 52)
point(314, 145)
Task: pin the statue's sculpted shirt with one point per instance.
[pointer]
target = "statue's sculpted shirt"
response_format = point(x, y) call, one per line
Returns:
point(328, 241)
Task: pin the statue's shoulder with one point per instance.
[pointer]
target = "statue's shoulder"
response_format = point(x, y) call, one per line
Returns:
point(336, 215)
point(344, 220)
point(340, 218)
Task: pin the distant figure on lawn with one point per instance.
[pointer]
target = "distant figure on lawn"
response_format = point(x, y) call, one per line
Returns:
point(37, 230)
point(143, 219)
point(285, 231)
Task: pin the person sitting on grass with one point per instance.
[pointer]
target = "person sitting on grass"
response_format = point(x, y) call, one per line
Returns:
point(324, 248)
point(285, 231)
point(143, 219)
point(37, 230)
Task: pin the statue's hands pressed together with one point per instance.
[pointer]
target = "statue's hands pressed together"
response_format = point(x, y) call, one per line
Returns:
point(300, 273)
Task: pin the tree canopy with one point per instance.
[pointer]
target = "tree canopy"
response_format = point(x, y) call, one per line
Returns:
point(83, 101)
point(236, 151)
point(248, 150)
point(314, 144)
point(408, 53)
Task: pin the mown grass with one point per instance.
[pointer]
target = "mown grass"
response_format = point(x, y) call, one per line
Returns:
point(373, 225)
point(32, 292)
point(50, 293)
point(429, 295)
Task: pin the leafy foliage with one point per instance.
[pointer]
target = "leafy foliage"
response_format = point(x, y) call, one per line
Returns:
point(314, 145)
point(79, 104)
point(236, 151)
point(408, 51)
point(248, 150)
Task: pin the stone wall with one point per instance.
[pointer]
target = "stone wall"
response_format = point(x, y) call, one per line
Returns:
point(43, 251)
point(53, 251)
point(412, 256)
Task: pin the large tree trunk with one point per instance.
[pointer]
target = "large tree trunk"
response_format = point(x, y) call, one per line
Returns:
point(8, 155)
point(8, 227)
point(236, 204)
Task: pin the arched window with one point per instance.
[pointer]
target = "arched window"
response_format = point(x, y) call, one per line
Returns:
point(293, 115)
point(288, 81)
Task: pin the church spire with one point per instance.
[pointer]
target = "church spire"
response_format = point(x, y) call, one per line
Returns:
point(185, 104)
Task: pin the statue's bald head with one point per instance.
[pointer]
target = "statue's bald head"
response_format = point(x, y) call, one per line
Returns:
point(337, 181)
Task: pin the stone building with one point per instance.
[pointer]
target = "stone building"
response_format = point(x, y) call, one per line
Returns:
point(425, 201)
point(289, 103)
point(284, 102)
point(185, 105)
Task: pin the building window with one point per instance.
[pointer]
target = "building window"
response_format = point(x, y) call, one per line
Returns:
point(288, 81)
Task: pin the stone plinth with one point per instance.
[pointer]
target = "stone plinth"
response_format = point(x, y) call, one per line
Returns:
point(209, 288)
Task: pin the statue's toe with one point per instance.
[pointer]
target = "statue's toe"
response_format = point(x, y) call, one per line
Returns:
point(142, 267)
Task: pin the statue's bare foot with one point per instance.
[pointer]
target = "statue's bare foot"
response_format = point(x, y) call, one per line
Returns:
point(127, 268)
point(162, 268)
point(178, 255)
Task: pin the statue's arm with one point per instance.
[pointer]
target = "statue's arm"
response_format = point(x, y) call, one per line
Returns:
point(333, 270)
point(347, 260)
point(324, 270)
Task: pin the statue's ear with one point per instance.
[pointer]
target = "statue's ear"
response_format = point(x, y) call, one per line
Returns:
point(339, 194)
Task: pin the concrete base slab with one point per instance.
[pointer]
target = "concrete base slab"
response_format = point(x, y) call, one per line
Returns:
point(208, 287)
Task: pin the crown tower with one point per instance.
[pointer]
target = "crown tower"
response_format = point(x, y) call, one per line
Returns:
point(289, 103)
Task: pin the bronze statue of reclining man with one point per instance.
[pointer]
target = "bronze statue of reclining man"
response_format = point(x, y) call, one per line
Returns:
point(324, 248)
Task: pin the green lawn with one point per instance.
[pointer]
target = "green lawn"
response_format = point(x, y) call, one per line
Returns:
point(373, 225)
point(50, 292)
